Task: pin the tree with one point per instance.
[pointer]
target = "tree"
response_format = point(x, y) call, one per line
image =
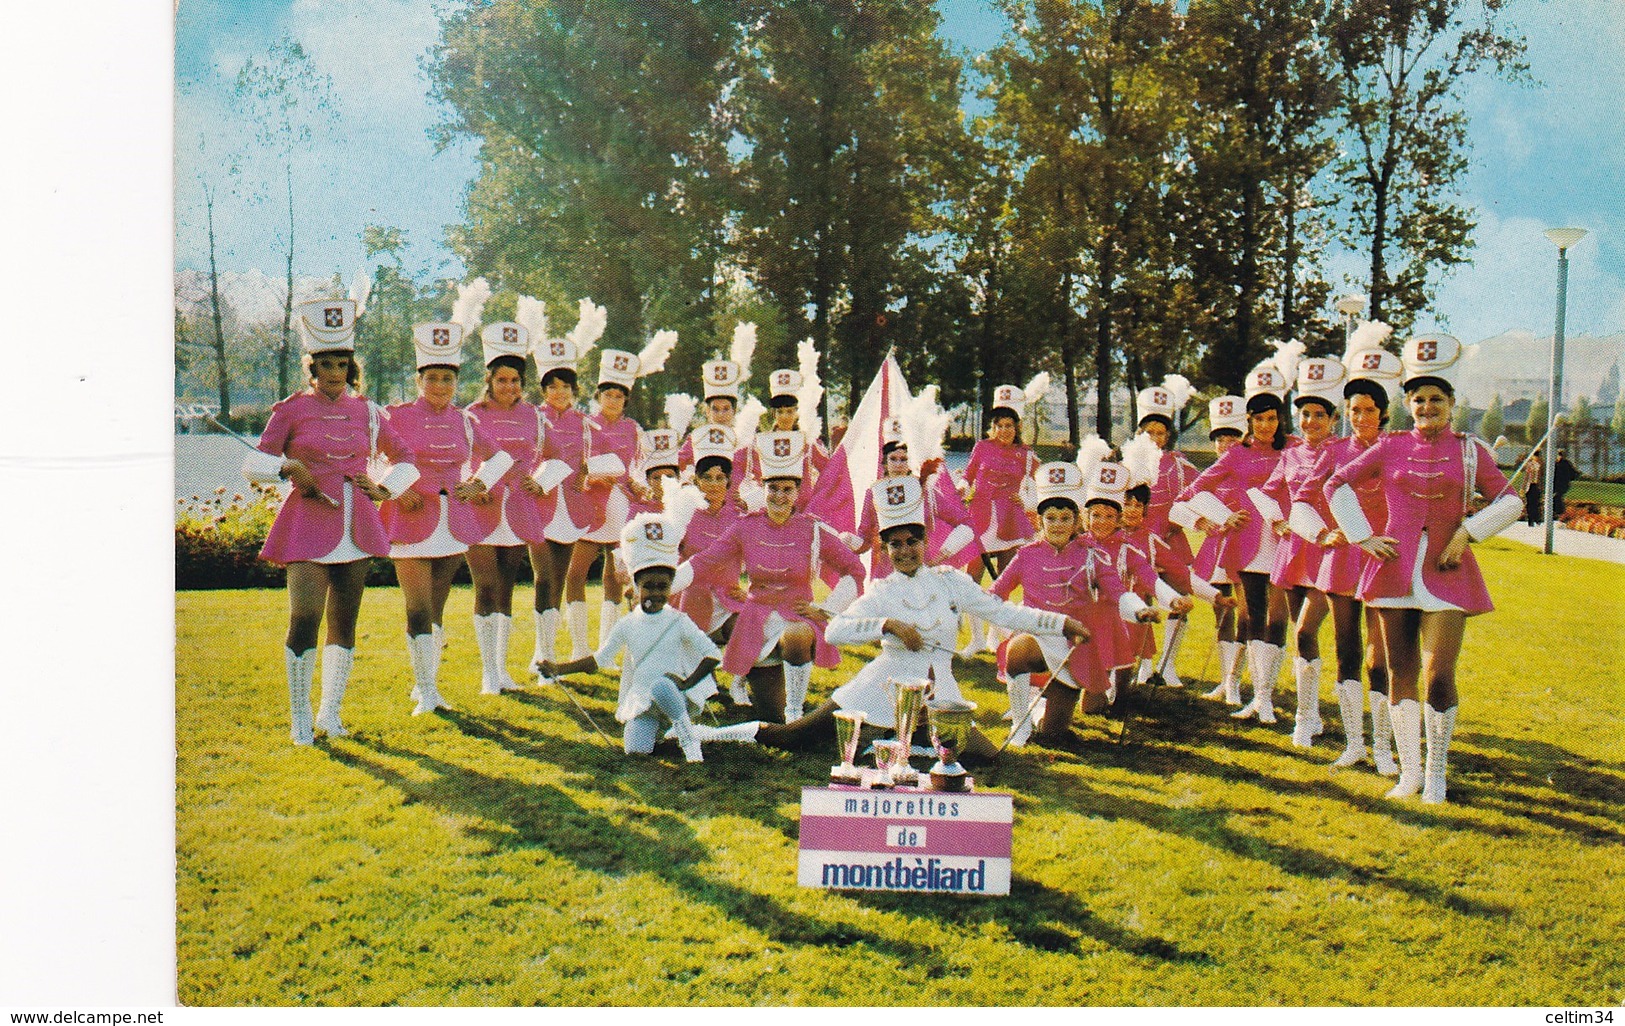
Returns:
point(1494, 421)
point(287, 98)
point(1618, 423)
point(1582, 410)
point(1535, 426)
point(1403, 64)
point(1462, 419)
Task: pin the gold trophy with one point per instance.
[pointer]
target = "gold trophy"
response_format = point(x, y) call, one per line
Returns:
point(910, 700)
point(848, 724)
point(950, 732)
point(885, 761)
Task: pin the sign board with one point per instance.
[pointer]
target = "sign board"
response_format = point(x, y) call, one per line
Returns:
point(905, 840)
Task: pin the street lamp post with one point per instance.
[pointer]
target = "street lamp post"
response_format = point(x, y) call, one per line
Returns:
point(1349, 307)
point(1562, 238)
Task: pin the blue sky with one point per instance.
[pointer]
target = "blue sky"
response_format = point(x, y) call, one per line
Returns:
point(1545, 153)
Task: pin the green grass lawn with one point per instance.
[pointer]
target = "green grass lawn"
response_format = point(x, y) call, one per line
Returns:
point(504, 854)
point(1605, 492)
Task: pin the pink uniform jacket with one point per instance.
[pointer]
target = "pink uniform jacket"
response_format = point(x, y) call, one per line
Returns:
point(781, 561)
point(1343, 564)
point(1174, 473)
point(1300, 477)
point(1138, 574)
point(1079, 581)
point(1243, 467)
point(565, 440)
point(333, 439)
point(517, 432)
point(438, 443)
point(1424, 485)
point(996, 473)
point(710, 589)
point(621, 438)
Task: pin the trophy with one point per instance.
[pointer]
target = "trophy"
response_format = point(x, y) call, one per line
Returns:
point(950, 731)
point(848, 722)
point(910, 700)
point(886, 758)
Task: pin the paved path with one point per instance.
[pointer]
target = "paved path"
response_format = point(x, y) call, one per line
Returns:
point(1569, 543)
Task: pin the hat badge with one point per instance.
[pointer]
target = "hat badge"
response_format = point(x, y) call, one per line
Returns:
point(654, 532)
point(719, 373)
point(714, 436)
point(555, 348)
point(1427, 351)
point(440, 336)
point(1057, 475)
point(894, 495)
point(662, 443)
point(333, 316)
point(510, 335)
point(782, 378)
point(1108, 475)
point(1262, 379)
point(620, 362)
point(781, 447)
point(1317, 372)
point(1160, 398)
point(1370, 361)
point(1227, 408)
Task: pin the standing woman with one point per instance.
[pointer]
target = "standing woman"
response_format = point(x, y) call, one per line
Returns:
point(1227, 422)
point(565, 508)
point(1425, 582)
point(319, 441)
point(1158, 408)
point(1374, 375)
point(794, 397)
point(1246, 548)
point(431, 524)
point(508, 518)
point(607, 489)
point(998, 487)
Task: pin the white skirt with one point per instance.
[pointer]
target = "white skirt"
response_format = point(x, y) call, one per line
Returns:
point(1420, 597)
point(346, 551)
point(502, 535)
point(440, 543)
point(561, 529)
point(615, 511)
point(1264, 561)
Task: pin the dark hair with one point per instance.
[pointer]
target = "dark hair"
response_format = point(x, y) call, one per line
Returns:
point(1216, 432)
point(781, 477)
point(1104, 502)
point(438, 366)
point(564, 374)
point(352, 376)
point(637, 578)
point(707, 462)
point(994, 415)
point(915, 531)
point(731, 400)
point(614, 384)
point(1373, 390)
point(780, 401)
point(1427, 379)
point(1139, 493)
point(1265, 401)
point(1303, 401)
point(511, 362)
point(1161, 418)
point(1057, 500)
point(1279, 441)
point(890, 447)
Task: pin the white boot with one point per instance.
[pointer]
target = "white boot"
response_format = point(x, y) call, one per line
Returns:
point(504, 634)
point(1144, 670)
point(336, 663)
point(1172, 640)
point(1255, 669)
point(995, 636)
point(738, 692)
point(608, 613)
point(1440, 726)
point(1350, 706)
point(1020, 689)
point(796, 681)
point(1407, 719)
point(1306, 725)
point(420, 649)
point(743, 733)
point(1264, 661)
point(1382, 735)
point(576, 613)
point(547, 636)
point(687, 740)
point(485, 639)
point(301, 668)
point(977, 639)
point(1229, 687)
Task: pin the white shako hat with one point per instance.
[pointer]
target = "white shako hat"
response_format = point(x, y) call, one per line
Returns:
point(721, 380)
point(327, 325)
point(1266, 378)
point(714, 440)
point(504, 338)
point(891, 430)
point(898, 501)
point(1227, 413)
point(784, 384)
point(1058, 481)
point(781, 453)
point(1320, 377)
point(1430, 359)
point(1010, 397)
point(554, 354)
point(617, 367)
point(647, 540)
point(1106, 484)
point(438, 344)
point(1377, 366)
point(658, 448)
point(1155, 401)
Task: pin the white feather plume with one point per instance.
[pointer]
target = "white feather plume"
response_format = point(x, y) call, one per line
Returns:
point(680, 508)
point(1092, 452)
point(470, 304)
point(589, 327)
point(652, 359)
point(744, 346)
point(748, 421)
point(680, 411)
point(1287, 355)
point(1367, 336)
point(1143, 458)
point(925, 424)
point(531, 314)
point(1179, 389)
point(811, 396)
point(1036, 388)
point(361, 290)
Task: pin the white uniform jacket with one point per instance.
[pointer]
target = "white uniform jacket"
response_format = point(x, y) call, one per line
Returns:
point(931, 601)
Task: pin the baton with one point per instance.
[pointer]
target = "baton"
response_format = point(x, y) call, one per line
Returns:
point(210, 418)
point(1156, 679)
point(559, 680)
point(1028, 715)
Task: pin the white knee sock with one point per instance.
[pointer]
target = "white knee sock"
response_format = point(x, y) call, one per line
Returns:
point(485, 639)
point(796, 681)
point(1351, 708)
point(301, 668)
point(1407, 719)
point(1306, 724)
point(336, 663)
point(608, 613)
point(504, 634)
point(1440, 727)
point(547, 636)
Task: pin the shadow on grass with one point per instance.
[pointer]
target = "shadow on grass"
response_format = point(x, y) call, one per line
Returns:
point(1541, 782)
point(648, 840)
